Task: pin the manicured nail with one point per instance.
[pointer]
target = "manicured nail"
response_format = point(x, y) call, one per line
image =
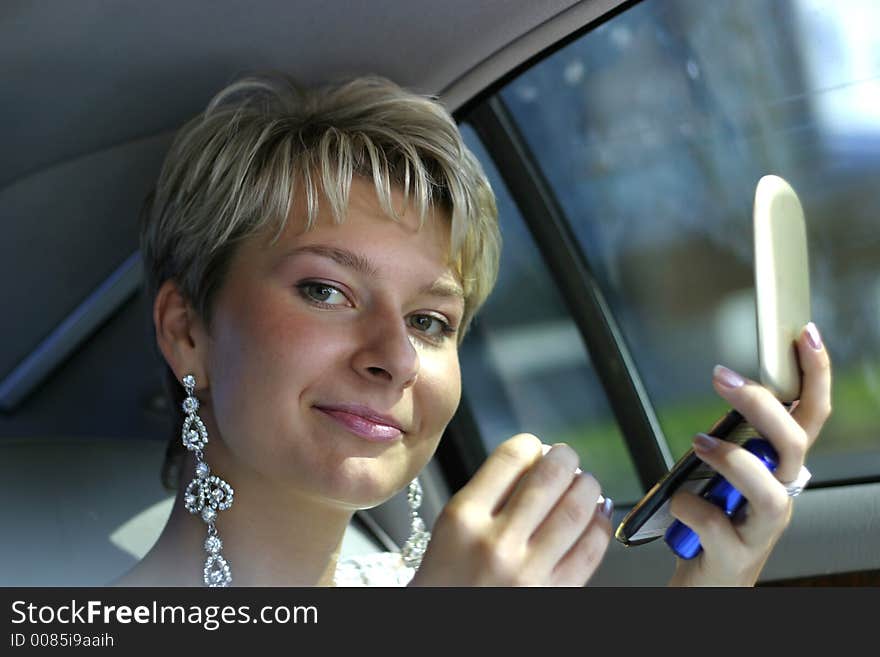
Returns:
point(705, 442)
point(813, 336)
point(727, 377)
point(606, 506)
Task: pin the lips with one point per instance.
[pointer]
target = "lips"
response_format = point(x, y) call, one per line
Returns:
point(364, 421)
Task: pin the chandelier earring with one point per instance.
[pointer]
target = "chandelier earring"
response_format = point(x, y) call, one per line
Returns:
point(206, 494)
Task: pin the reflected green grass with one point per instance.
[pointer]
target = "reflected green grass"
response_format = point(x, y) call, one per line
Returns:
point(853, 427)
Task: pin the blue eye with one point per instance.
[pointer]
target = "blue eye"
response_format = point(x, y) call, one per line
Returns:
point(322, 293)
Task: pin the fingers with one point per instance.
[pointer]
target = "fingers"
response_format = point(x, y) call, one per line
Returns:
point(493, 483)
point(540, 489)
point(523, 519)
point(582, 560)
point(768, 416)
point(769, 506)
point(815, 402)
point(791, 434)
point(736, 548)
point(710, 523)
point(565, 524)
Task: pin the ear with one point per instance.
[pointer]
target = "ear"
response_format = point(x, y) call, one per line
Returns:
point(180, 334)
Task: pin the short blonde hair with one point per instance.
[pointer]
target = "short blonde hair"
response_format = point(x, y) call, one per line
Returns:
point(234, 170)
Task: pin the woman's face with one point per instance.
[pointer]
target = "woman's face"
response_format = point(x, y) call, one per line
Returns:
point(316, 333)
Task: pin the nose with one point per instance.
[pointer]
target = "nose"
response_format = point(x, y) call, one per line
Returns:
point(387, 353)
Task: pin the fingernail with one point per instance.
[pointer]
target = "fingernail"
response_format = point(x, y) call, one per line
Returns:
point(606, 506)
point(726, 377)
point(705, 442)
point(813, 336)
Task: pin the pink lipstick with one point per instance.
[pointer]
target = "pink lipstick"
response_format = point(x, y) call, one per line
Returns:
point(367, 428)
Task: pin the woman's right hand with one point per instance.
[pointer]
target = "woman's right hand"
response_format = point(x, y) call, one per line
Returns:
point(525, 519)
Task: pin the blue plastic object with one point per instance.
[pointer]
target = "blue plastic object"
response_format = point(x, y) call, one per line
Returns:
point(681, 538)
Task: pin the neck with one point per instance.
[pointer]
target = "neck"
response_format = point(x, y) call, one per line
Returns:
point(271, 536)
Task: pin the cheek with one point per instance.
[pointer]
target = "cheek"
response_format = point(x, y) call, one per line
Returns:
point(442, 392)
point(455, 386)
point(260, 361)
point(288, 360)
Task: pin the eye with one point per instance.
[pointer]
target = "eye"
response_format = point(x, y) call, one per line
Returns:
point(434, 327)
point(322, 294)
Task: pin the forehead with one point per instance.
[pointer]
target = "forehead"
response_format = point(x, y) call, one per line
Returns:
point(367, 237)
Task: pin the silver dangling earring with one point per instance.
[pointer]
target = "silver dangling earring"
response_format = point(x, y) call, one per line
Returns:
point(206, 494)
point(419, 536)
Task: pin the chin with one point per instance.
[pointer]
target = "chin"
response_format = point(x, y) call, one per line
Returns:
point(362, 487)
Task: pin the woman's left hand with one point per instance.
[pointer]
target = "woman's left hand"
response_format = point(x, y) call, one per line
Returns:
point(736, 549)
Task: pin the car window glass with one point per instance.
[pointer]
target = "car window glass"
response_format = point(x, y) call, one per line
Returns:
point(653, 130)
point(524, 365)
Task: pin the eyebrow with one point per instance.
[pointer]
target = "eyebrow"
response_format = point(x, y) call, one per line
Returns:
point(363, 266)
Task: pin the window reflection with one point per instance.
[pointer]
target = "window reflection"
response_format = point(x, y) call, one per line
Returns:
point(653, 130)
point(524, 364)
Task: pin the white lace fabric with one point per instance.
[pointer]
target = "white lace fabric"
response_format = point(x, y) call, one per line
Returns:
point(379, 569)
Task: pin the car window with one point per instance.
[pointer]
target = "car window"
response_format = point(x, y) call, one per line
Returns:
point(524, 365)
point(652, 131)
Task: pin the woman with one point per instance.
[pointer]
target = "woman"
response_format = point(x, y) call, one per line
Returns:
point(314, 259)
